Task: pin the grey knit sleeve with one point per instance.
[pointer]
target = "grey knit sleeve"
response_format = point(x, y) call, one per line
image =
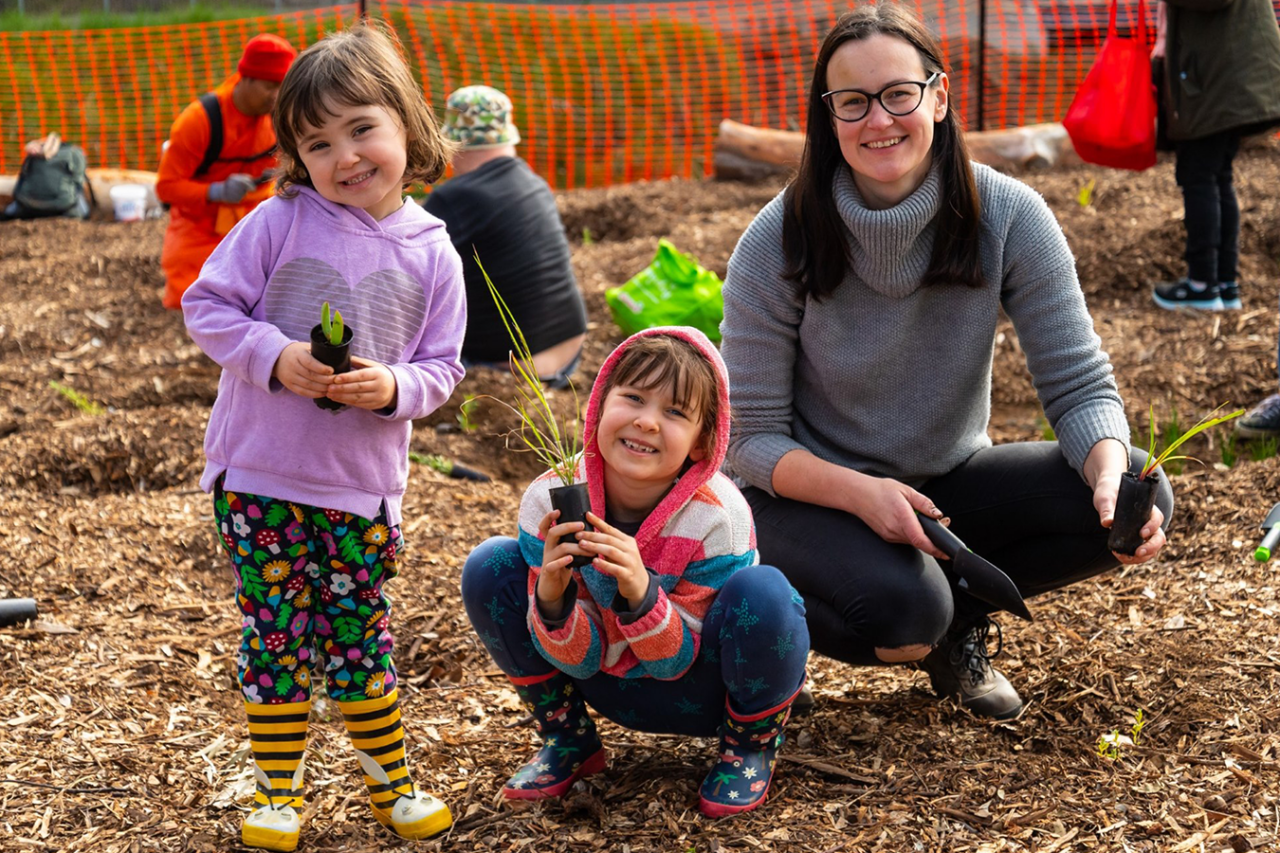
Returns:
point(760, 334)
point(1042, 296)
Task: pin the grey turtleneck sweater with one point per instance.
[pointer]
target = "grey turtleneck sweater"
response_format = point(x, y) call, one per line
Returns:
point(889, 378)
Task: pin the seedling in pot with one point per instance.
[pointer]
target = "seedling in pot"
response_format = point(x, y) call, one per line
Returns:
point(1138, 491)
point(331, 345)
point(331, 324)
point(556, 445)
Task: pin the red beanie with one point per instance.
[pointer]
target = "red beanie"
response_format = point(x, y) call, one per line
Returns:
point(266, 57)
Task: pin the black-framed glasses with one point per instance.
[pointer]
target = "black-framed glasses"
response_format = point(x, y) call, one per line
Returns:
point(898, 99)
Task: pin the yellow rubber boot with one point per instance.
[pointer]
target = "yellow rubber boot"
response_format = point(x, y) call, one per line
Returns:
point(378, 738)
point(278, 741)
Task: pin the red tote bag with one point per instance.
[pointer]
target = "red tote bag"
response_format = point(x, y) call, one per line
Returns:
point(1112, 119)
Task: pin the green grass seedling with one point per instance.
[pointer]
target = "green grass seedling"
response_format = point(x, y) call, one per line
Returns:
point(1155, 460)
point(77, 399)
point(1085, 197)
point(556, 445)
point(466, 411)
point(1263, 448)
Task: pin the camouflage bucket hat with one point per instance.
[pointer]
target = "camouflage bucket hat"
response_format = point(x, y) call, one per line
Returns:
point(479, 117)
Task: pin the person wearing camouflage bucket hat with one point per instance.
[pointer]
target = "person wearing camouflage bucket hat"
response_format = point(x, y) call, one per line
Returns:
point(479, 117)
point(495, 205)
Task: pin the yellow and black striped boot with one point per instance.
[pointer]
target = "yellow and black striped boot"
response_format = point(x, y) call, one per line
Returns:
point(378, 738)
point(278, 741)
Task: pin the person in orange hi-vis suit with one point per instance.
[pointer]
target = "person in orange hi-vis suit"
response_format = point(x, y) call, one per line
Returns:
point(203, 206)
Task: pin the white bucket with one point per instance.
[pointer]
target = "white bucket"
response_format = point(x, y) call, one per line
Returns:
point(129, 202)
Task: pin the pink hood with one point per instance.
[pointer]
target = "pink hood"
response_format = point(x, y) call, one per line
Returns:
point(698, 474)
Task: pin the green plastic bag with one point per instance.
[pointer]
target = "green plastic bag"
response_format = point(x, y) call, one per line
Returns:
point(672, 291)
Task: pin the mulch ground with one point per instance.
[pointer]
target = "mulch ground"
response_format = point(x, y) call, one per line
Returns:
point(121, 727)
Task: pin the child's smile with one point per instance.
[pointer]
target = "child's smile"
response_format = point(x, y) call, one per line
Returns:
point(357, 158)
point(645, 439)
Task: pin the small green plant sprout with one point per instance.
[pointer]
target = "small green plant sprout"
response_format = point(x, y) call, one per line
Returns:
point(554, 444)
point(1111, 746)
point(587, 239)
point(1155, 461)
point(1085, 197)
point(331, 325)
point(77, 399)
point(466, 412)
point(1263, 448)
point(1136, 730)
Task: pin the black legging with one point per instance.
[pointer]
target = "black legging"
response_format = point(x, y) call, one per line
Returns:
point(1018, 505)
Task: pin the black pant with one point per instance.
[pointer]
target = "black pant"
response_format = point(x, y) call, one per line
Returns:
point(1021, 506)
point(1203, 171)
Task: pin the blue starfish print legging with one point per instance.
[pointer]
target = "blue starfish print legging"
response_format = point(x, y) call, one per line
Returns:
point(754, 646)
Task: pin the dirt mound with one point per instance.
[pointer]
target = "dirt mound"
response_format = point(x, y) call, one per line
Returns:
point(123, 699)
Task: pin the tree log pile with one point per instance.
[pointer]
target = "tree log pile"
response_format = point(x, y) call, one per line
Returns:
point(743, 152)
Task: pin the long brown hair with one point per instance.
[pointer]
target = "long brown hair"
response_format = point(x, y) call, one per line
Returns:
point(813, 235)
point(355, 67)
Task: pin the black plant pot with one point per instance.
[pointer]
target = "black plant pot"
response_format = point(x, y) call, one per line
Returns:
point(14, 611)
point(339, 358)
point(1133, 510)
point(573, 503)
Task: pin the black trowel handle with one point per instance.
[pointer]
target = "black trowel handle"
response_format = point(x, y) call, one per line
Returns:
point(947, 542)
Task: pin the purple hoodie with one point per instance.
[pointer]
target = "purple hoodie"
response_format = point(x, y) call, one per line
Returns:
point(398, 284)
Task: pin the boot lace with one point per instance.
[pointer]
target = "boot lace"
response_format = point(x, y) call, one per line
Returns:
point(970, 657)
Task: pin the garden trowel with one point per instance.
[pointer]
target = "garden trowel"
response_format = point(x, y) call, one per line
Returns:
point(1272, 528)
point(977, 577)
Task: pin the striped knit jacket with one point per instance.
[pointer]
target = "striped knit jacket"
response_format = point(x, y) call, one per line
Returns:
point(698, 535)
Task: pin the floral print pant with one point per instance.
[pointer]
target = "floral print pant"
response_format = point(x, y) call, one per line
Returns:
point(309, 583)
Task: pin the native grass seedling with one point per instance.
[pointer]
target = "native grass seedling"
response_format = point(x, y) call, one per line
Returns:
point(466, 413)
point(1155, 460)
point(1263, 448)
point(331, 324)
point(1112, 746)
point(448, 467)
point(1085, 197)
point(555, 444)
point(80, 401)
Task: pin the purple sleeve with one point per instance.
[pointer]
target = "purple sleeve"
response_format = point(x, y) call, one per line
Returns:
point(218, 306)
point(425, 382)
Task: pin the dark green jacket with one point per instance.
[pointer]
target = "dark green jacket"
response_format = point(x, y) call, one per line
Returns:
point(1222, 65)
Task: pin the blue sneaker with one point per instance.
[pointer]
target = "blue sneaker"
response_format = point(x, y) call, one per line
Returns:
point(1229, 293)
point(1262, 421)
point(1180, 294)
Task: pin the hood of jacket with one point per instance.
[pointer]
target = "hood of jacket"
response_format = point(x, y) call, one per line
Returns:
point(1222, 68)
point(698, 474)
point(409, 224)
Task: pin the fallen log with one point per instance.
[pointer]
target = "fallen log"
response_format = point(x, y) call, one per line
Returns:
point(743, 152)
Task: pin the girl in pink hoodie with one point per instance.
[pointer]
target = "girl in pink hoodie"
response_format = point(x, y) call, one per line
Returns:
point(672, 626)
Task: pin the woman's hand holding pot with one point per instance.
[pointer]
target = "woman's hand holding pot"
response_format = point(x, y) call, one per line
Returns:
point(889, 508)
point(1102, 468)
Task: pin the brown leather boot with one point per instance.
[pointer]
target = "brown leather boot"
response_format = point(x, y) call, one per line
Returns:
point(961, 666)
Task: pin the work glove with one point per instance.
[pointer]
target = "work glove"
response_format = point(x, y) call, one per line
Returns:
point(232, 190)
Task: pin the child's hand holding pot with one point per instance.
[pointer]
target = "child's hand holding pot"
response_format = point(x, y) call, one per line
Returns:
point(369, 385)
point(298, 371)
point(617, 555)
point(558, 551)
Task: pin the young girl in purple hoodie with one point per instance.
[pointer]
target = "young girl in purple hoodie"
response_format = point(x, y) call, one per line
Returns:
point(673, 627)
point(307, 500)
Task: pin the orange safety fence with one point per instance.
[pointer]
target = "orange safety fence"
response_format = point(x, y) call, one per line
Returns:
point(603, 94)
